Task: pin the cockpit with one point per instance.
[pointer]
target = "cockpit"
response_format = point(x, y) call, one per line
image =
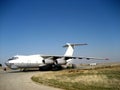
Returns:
point(13, 58)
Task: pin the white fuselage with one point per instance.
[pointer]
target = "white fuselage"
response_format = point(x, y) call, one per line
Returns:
point(31, 61)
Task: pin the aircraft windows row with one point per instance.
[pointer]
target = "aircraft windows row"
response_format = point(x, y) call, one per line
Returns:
point(13, 58)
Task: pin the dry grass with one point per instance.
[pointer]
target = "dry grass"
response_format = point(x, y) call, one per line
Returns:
point(95, 79)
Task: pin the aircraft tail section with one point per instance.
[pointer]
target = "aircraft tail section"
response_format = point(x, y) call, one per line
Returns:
point(70, 48)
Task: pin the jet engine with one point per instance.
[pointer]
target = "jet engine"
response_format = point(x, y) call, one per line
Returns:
point(60, 61)
point(48, 61)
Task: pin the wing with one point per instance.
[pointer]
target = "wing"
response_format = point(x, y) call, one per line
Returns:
point(70, 57)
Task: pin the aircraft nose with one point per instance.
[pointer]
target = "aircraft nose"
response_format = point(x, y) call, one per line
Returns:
point(11, 65)
point(7, 63)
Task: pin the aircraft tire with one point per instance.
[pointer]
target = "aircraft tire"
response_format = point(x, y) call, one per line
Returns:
point(45, 68)
point(56, 67)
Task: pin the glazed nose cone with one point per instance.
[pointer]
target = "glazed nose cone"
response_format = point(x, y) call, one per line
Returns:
point(7, 63)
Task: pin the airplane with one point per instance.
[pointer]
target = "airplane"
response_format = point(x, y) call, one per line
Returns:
point(53, 62)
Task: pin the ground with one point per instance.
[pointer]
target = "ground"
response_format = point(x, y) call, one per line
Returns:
point(16, 80)
point(101, 77)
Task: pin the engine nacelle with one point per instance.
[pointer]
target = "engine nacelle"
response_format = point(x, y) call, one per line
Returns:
point(61, 61)
point(48, 61)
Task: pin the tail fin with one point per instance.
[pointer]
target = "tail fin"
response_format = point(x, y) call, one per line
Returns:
point(70, 49)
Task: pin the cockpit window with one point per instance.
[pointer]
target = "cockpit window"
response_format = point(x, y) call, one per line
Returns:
point(13, 58)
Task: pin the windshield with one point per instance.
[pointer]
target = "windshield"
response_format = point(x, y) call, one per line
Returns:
point(13, 58)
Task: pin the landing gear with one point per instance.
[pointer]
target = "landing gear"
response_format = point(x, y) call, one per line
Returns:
point(56, 67)
point(45, 68)
point(23, 69)
point(53, 67)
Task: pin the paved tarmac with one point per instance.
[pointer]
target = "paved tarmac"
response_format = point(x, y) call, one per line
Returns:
point(15, 80)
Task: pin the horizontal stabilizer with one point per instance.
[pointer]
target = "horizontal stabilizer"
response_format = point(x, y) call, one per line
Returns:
point(74, 44)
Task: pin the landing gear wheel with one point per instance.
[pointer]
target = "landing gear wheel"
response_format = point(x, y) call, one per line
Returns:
point(45, 68)
point(56, 67)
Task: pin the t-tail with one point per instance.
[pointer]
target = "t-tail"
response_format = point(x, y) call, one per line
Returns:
point(70, 48)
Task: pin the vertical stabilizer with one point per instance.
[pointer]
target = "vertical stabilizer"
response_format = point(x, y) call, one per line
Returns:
point(70, 48)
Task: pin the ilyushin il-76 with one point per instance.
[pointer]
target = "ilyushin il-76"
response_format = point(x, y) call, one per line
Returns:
point(53, 62)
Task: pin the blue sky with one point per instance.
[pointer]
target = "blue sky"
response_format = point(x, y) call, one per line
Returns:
point(43, 26)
